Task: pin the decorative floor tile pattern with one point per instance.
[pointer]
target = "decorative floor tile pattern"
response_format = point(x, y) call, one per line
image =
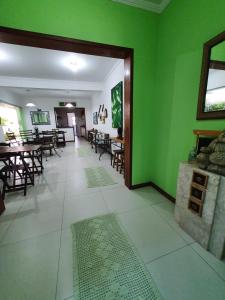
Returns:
point(106, 265)
point(98, 177)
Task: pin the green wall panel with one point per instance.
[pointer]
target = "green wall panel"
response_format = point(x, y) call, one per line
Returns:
point(183, 28)
point(218, 52)
point(167, 56)
point(106, 22)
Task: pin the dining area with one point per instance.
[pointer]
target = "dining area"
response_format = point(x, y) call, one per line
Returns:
point(103, 143)
point(21, 159)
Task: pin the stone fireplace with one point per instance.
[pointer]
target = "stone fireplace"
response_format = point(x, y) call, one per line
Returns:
point(200, 207)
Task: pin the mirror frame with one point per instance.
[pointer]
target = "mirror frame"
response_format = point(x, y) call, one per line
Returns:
point(201, 115)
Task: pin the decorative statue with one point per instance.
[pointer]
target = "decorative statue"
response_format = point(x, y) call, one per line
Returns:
point(212, 158)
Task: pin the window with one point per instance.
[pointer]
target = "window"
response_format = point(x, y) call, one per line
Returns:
point(9, 118)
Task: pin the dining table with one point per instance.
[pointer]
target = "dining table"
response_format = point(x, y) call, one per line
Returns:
point(10, 155)
point(19, 151)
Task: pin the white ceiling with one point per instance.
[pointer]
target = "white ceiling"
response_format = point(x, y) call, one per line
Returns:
point(152, 5)
point(22, 61)
point(29, 94)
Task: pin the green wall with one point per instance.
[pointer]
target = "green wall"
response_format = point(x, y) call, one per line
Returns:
point(168, 54)
point(183, 28)
point(218, 52)
point(106, 22)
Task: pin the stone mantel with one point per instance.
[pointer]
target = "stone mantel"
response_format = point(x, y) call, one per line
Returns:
point(209, 228)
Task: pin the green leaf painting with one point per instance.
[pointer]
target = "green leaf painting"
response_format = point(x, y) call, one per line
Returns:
point(117, 105)
point(40, 117)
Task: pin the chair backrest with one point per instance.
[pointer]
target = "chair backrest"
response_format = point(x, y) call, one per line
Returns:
point(12, 138)
point(28, 131)
point(5, 144)
point(26, 135)
point(48, 139)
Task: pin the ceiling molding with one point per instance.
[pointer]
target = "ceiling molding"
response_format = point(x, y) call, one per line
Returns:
point(146, 5)
point(22, 82)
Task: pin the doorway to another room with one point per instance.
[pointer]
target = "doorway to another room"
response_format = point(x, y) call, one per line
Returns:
point(24, 38)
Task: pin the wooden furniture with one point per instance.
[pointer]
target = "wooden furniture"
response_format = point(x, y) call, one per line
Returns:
point(200, 132)
point(20, 173)
point(22, 170)
point(93, 140)
point(27, 136)
point(60, 138)
point(47, 143)
point(100, 141)
point(118, 160)
point(104, 144)
point(2, 204)
point(204, 137)
point(12, 139)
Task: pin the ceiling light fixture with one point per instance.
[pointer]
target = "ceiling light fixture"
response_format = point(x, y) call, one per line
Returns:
point(69, 105)
point(30, 104)
point(74, 63)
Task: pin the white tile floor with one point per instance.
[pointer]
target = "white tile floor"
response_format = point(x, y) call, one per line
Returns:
point(36, 242)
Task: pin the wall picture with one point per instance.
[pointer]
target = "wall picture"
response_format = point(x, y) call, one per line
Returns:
point(117, 105)
point(95, 118)
point(40, 117)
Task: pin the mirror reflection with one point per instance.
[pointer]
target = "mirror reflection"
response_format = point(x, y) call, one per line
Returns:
point(215, 93)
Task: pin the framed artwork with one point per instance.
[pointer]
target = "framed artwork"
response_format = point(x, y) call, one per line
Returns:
point(40, 117)
point(117, 105)
point(95, 118)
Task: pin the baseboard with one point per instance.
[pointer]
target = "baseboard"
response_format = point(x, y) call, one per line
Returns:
point(161, 191)
point(140, 185)
point(156, 187)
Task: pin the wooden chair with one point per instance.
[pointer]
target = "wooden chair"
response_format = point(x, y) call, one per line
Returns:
point(122, 163)
point(17, 182)
point(36, 160)
point(12, 139)
point(94, 140)
point(90, 134)
point(27, 136)
point(60, 138)
point(49, 143)
point(118, 159)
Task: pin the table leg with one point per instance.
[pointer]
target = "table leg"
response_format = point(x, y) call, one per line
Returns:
point(2, 205)
point(31, 176)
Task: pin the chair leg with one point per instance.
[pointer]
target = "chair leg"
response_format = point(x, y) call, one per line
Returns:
point(25, 185)
point(117, 163)
point(114, 160)
point(122, 163)
point(3, 191)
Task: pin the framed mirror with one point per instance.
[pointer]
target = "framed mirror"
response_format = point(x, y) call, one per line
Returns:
point(211, 102)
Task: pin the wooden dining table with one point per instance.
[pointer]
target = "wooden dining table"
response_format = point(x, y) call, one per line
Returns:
point(18, 151)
